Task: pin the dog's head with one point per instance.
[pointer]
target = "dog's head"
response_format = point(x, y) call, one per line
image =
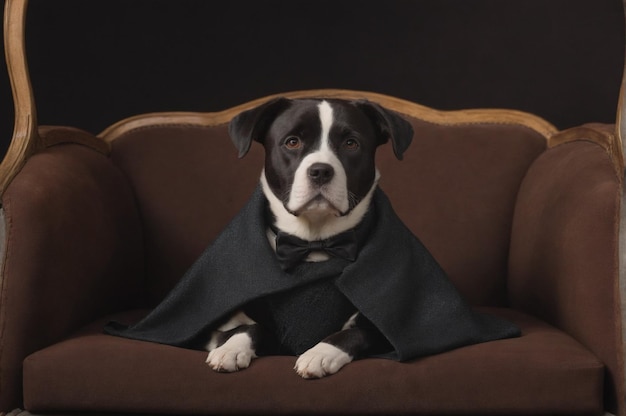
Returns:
point(320, 154)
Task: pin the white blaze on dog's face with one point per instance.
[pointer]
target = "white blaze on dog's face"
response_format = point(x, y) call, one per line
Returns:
point(320, 182)
point(319, 154)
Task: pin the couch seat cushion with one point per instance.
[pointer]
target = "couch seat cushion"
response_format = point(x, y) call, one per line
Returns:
point(543, 372)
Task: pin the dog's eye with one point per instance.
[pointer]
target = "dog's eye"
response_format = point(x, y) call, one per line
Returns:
point(293, 143)
point(351, 144)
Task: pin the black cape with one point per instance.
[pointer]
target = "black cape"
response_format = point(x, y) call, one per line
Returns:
point(395, 283)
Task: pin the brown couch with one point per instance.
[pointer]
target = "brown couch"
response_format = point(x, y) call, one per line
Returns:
point(526, 220)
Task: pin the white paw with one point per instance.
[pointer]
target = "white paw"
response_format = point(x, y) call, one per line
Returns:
point(234, 355)
point(322, 360)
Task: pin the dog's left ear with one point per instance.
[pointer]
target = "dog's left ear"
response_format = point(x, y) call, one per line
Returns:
point(390, 126)
point(253, 124)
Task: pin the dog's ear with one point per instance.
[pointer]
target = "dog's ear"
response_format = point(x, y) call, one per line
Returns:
point(390, 126)
point(253, 124)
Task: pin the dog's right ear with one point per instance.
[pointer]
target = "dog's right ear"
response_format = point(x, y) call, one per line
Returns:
point(253, 124)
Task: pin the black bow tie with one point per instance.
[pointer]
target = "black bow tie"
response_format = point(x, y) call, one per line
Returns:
point(292, 250)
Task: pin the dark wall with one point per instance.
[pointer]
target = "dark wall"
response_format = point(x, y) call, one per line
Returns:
point(95, 62)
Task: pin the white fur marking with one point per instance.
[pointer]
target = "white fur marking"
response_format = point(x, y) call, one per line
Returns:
point(238, 319)
point(322, 360)
point(350, 323)
point(326, 118)
point(303, 227)
point(234, 355)
point(335, 193)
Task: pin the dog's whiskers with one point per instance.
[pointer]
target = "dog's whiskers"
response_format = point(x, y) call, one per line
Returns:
point(353, 200)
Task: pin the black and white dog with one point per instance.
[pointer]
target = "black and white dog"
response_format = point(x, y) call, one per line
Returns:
point(319, 177)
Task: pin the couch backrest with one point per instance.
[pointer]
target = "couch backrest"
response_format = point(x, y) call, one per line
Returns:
point(188, 185)
point(455, 189)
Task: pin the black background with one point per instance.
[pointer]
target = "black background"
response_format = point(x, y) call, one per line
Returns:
point(95, 62)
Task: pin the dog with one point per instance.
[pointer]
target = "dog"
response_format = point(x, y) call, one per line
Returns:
point(319, 177)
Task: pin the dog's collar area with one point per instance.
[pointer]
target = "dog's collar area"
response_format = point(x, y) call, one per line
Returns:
point(292, 250)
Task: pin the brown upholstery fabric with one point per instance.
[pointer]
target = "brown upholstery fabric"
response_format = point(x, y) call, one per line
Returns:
point(456, 190)
point(563, 261)
point(188, 184)
point(543, 372)
point(98, 227)
point(73, 253)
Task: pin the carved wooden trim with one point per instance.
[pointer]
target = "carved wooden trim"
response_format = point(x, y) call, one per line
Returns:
point(620, 130)
point(457, 117)
point(25, 140)
point(603, 135)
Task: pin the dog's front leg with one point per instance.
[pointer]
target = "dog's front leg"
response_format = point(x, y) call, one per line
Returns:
point(233, 350)
point(233, 345)
point(358, 338)
point(334, 352)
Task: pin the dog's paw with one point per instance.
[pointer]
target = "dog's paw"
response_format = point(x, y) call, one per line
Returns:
point(234, 355)
point(322, 360)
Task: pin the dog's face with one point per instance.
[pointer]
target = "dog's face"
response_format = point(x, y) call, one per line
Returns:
point(320, 154)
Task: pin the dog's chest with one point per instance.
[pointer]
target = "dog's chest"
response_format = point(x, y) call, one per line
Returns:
point(301, 317)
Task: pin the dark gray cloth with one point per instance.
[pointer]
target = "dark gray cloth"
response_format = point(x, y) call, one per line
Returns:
point(394, 282)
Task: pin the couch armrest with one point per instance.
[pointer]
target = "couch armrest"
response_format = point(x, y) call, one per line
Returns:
point(71, 249)
point(563, 264)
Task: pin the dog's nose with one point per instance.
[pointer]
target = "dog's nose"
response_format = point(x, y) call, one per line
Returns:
point(321, 173)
